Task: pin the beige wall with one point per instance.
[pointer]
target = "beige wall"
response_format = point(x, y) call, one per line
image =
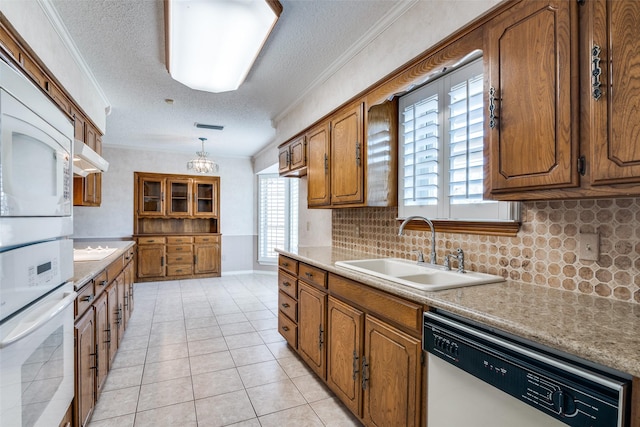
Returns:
point(545, 251)
point(114, 218)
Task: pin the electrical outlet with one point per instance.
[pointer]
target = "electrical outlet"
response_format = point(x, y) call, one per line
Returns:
point(589, 247)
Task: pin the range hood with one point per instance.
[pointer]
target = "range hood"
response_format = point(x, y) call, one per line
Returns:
point(86, 160)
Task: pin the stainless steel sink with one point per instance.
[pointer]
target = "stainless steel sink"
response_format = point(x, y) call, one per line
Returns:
point(426, 277)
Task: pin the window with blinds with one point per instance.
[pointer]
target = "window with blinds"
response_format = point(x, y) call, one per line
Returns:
point(277, 216)
point(441, 149)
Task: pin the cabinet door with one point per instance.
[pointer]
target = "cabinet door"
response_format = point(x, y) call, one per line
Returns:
point(129, 282)
point(151, 261)
point(85, 367)
point(344, 352)
point(122, 297)
point(205, 198)
point(392, 373)
point(112, 306)
point(151, 196)
point(179, 203)
point(615, 137)
point(206, 258)
point(284, 159)
point(102, 341)
point(530, 54)
point(318, 191)
point(311, 327)
point(347, 151)
point(297, 154)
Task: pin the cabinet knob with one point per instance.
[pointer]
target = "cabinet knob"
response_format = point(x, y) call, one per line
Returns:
point(285, 328)
point(285, 305)
point(286, 284)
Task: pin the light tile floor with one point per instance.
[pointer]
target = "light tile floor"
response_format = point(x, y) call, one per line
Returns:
point(207, 352)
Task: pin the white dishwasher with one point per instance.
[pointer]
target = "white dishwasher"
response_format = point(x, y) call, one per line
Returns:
point(479, 377)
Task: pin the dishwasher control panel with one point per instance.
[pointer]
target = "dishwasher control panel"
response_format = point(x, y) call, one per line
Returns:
point(575, 395)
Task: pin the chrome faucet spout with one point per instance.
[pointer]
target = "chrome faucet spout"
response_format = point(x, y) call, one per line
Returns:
point(433, 233)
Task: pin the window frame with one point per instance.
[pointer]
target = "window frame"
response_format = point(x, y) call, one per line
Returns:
point(290, 220)
point(503, 217)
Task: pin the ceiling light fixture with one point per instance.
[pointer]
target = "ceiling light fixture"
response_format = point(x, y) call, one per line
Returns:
point(202, 164)
point(211, 44)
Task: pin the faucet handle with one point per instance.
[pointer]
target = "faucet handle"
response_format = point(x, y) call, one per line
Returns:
point(420, 255)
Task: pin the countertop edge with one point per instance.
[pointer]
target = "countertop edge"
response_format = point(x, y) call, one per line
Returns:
point(575, 347)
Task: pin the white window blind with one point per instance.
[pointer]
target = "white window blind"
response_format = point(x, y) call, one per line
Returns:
point(277, 215)
point(441, 149)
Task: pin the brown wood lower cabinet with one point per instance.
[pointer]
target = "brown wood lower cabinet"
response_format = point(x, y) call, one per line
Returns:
point(345, 326)
point(178, 256)
point(391, 373)
point(312, 305)
point(85, 367)
point(364, 343)
point(103, 307)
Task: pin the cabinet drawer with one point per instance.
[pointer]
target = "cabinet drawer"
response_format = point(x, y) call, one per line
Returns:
point(178, 240)
point(84, 299)
point(100, 282)
point(151, 240)
point(401, 312)
point(206, 239)
point(180, 270)
point(288, 329)
point(128, 256)
point(288, 306)
point(288, 284)
point(115, 268)
point(179, 258)
point(179, 249)
point(288, 264)
point(312, 275)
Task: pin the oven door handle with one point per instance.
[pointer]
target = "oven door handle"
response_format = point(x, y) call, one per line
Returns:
point(30, 325)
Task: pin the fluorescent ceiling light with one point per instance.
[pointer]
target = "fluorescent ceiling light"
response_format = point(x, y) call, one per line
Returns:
point(212, 44)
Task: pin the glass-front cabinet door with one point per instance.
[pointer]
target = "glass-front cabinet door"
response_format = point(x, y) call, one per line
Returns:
point(179, 197)
point(205, 192)
point(151, 201)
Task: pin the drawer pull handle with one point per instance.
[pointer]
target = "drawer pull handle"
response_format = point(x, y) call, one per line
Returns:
point(285, 305)
point(285, 328)
point(103, 283)
point(286, 284)
point(151, 241)
point(179, 259)
point(309, 275)
point(285, 264)
point(88, 298)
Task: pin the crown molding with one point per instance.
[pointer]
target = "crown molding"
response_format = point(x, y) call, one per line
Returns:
point(398, 10)
point(56, 21)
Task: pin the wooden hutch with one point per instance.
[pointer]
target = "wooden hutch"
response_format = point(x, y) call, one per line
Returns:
point(176, 226)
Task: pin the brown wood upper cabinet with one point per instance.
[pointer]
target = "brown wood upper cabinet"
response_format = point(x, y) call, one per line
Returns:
point(347, 157)
point(612, 49)
point(530, 55)
point(352, 158)
point(160, 195)
point(318, 177)
point(292, 157)
point(551, 72)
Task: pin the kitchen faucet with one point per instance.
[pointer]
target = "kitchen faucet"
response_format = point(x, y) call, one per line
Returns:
point(433, 234)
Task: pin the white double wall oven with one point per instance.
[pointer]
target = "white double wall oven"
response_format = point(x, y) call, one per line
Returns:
point(36, 255)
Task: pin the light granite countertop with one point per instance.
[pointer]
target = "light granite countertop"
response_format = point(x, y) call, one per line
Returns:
point(601, 330)
point(83, 271)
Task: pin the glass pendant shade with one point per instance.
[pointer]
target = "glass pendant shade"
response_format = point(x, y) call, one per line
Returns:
point(202, 164)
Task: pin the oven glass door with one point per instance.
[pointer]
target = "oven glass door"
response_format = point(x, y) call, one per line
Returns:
point(36, 362)
point(35, 172)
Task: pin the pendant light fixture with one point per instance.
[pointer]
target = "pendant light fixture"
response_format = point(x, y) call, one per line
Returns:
point(202, 164)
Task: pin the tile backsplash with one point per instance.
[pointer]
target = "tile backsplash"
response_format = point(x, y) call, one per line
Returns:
point(544, 252)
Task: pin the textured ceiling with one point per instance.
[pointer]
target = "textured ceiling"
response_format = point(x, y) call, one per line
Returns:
point(122, 42)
